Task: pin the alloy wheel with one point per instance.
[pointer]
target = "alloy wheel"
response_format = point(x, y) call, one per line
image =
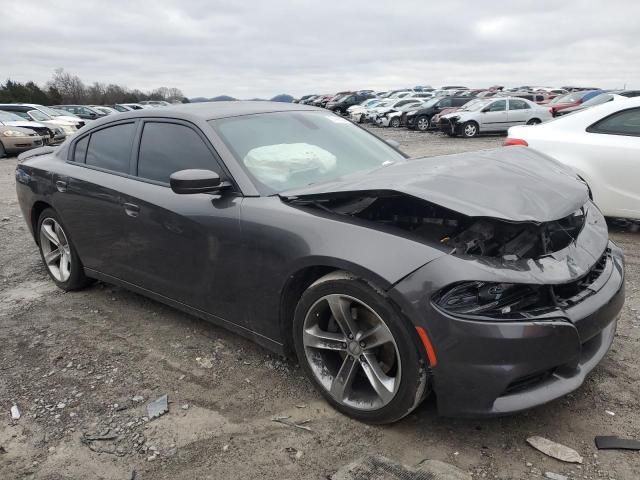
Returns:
point(423, 123)
point(470, 130)
point(55, 249)
point(351, 352)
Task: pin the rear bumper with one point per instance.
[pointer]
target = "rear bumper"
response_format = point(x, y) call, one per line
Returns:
point(501, 367)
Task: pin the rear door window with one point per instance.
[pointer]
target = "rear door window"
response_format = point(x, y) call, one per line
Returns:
point(626, 122)
point(110, 148)
point(80, 151)
point(166, 148)
point(518, 104)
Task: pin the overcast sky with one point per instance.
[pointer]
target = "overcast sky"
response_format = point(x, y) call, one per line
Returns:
point(256, 48)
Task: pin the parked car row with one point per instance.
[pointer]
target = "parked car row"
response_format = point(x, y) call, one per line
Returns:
point(458, 110)
point(26, 125)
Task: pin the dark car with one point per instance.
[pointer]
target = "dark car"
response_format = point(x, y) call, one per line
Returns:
point(83, 111)
point(341, 104)
point(487, 277)
point(421, 119)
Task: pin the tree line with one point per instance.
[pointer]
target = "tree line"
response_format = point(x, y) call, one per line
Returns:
point(66, 88)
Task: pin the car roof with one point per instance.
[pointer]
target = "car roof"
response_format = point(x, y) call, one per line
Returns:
point(215, 110)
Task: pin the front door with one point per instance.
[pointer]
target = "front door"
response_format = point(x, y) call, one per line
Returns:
point(494, 116)
point(180, 246)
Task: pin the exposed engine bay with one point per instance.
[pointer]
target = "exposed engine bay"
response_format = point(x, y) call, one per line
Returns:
point(461, 234)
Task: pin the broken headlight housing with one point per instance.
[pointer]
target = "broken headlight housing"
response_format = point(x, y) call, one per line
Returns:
point(498, 301)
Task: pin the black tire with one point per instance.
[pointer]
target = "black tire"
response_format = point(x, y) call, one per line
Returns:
point(534, 121)
point(413, 383)
point(470, 129)
point(77, 278)
point(423, 122)
point(395, 122)
point(339, 111)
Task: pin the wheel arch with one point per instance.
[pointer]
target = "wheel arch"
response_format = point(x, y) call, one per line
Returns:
point(36, 210)
point(303, 277)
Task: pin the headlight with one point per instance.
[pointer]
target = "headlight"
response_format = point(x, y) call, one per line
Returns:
point(498, 301)
point(14, 133)
point(68, 129)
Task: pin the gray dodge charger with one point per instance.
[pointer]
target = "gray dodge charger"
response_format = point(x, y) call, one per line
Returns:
point(486, 279)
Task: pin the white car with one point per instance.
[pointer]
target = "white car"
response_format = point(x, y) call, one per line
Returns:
point(393, 117)
point(602, 144)
point(356, 112)
point(389, 106)
point(494, 115)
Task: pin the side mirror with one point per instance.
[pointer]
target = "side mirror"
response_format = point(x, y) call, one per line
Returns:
point(195, 181)
point(485, 110)
point(92, 115)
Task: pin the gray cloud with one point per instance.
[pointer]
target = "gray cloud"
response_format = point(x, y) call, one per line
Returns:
point(261, 48)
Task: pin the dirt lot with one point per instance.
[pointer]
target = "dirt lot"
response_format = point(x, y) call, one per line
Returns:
point(83, 365)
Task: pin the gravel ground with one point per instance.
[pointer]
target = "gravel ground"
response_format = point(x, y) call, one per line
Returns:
point(82, 366)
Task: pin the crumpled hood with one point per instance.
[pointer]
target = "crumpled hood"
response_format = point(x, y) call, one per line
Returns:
point(25, 124)
point(516, 184)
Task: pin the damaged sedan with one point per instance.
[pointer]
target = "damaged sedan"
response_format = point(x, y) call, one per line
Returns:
point(486, 279)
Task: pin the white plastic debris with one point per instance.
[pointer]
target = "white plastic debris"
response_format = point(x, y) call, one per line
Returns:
point(609, 412)
point(15, 413)
point(278, 163)
point(554, 476)
point(555, 450)
point(158, 407)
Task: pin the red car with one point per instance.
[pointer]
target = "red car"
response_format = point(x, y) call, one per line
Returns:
point(571, 100)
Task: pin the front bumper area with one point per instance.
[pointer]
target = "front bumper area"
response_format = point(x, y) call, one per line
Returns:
point(21, 144)
point(491, 368)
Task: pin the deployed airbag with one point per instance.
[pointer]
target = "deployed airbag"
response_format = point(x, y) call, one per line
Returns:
point(278, 163)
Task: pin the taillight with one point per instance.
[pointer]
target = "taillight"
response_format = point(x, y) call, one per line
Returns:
point(509, 142)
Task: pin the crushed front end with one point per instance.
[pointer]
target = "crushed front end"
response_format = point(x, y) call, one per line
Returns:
point(518, 314)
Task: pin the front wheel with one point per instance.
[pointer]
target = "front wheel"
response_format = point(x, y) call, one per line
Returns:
point(395, 122)
point(58, 253)
point(357, 350)
point(423, 123)
point(470, 129)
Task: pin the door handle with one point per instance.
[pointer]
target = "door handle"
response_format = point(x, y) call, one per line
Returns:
point(61, 186)
point(131, 209)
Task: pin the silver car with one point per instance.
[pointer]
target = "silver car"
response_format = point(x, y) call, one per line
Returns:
point(494, 115)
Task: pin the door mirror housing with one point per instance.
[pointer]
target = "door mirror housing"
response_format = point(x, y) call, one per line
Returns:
point(485, 110)
point(196, 181)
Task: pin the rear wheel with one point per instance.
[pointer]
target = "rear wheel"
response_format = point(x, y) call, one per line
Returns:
point(470, 129)
point(423, 123)
point(357, 350)
point(58, 253)
point(534, 121)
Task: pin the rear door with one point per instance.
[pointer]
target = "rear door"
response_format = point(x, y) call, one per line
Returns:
point(89, 193)
point(519, 112)
point(612, 150)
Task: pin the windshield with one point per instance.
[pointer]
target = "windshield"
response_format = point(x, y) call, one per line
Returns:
point(598, 99)
point(39, 116)
point(49, 111)
point(10, 117)
point(568, 98)
point(286, 150)
point(474, 105)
